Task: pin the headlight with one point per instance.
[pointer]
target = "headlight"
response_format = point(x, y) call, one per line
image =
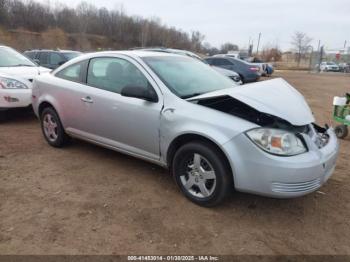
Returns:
point(277, 142)
point(8, 83)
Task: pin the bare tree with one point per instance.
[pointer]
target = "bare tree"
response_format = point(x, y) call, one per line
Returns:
point(87, 26)
point(301, 42)
point(227, 47)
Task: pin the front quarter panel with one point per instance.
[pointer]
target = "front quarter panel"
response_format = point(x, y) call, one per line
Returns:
point(180, 117)
point(44, 90)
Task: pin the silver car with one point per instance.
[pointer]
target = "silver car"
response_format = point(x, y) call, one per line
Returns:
point(181, 114)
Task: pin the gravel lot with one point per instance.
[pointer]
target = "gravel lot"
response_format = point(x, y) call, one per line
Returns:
point(88, 200)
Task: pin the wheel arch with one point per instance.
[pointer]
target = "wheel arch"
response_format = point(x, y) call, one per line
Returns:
point(44, 105)
point(182, 139)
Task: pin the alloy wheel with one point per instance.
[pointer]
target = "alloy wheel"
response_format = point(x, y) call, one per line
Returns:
point(200, 178)
point(50, 127)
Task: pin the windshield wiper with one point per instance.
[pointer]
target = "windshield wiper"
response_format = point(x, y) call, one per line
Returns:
point(191, 95)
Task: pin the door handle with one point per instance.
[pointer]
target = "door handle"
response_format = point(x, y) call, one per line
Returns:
point(87, 100)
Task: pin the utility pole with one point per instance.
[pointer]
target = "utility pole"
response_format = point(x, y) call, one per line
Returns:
point(345, 44)
point(319, 44)
point(321, 58)
point(257, 48)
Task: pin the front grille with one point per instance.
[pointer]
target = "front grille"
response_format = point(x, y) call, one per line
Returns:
point(296, 187)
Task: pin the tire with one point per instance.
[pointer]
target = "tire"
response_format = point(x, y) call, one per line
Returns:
point(197, 181)
point(341, 131)
point(52, 128)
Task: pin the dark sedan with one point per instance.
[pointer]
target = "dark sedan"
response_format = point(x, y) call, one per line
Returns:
point(247, 71)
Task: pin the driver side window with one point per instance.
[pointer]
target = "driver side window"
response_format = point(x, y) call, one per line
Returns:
point(113, 74)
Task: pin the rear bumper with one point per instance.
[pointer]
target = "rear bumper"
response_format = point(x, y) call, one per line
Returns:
point(251, 78)
point(15, 98)
point(258, 172)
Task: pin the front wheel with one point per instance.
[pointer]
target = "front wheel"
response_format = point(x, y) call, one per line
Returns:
point(341, 131)
point(202, 174)
point(52, 128)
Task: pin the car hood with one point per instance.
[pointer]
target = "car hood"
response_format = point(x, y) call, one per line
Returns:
point(24, 72)
point(274, 97)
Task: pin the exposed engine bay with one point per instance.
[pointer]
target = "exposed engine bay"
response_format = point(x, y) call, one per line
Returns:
point(230, 105)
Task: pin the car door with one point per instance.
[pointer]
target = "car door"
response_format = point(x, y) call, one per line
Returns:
point(68, 89)
point(114, 120)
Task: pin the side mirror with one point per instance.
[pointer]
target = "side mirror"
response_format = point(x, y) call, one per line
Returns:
point(37, 61)
point(140, 92)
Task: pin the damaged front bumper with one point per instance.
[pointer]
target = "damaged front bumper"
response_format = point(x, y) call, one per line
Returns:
point(258, 172)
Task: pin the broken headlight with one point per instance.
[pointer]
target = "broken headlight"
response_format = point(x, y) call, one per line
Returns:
point(277, 142)
point(8, 83)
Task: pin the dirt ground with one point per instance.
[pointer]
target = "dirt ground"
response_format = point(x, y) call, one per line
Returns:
point(84, 199)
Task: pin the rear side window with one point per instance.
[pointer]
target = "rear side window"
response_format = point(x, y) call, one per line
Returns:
point(56, 59)
point(72, 73)
point(209, 61)
point(222, 62)
point(113, 74)
point(43, 58)
point(30, 55)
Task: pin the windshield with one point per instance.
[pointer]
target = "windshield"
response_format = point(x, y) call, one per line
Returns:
point(330, 63)
point(10, 58)
point(187, 77)
point(71, 55)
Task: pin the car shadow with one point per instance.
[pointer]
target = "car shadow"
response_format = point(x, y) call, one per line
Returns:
point(245, 202)
point(17, 115)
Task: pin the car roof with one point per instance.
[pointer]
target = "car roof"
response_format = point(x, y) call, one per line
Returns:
point(229, 58)
point(135, 53)
point(50, 50)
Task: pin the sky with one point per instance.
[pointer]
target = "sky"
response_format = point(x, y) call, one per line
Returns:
point(241, 21)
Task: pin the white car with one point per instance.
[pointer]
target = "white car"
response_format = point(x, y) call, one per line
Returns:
point(16, 76)
point(329, 66)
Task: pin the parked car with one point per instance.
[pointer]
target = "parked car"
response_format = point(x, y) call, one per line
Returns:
point(229, 73)
point(266, 69)
point(247, 71)
point(344, 67)
point(50, 58)
point(16, 75)
point(179, 113)
point(329, 66)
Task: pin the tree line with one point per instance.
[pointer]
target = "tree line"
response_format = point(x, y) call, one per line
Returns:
point(121, 30)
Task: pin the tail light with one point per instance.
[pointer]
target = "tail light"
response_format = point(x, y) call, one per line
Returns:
point(254, 69)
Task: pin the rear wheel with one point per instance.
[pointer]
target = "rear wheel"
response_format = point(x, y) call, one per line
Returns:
point(202, 174)
point(52, 128)
point(341, 131)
